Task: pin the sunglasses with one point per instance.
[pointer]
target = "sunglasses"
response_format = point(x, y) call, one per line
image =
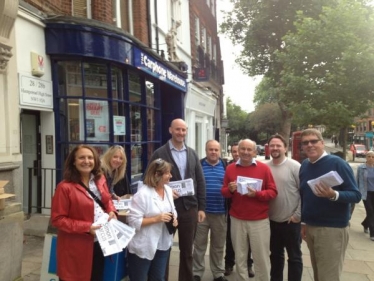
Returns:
point(305, 143)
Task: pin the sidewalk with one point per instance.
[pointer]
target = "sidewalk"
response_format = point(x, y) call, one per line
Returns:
point(358, 266)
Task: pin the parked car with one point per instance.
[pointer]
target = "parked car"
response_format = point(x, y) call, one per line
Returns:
point(358, 150)
point(260, 149)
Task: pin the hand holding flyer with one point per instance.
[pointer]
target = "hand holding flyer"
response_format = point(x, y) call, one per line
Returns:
point(183, 187)
point(330, 179)
point(244, 182)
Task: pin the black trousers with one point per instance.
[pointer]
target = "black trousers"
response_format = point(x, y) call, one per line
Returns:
point(98, 261)
point(285, 236)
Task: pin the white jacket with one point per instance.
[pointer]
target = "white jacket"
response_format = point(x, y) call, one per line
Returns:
point(145, 203)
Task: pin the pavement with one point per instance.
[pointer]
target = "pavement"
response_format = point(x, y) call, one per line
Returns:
point(358, 265)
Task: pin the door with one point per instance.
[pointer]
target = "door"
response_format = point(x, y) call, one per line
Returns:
point(31, 153)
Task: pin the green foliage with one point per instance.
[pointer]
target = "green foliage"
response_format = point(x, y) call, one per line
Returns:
point(238, 122)
point(328, 65)
point(266, 119)
point(316, 56)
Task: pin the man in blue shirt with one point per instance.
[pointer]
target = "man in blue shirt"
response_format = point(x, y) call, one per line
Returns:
point(215, 221)
point(325, 211)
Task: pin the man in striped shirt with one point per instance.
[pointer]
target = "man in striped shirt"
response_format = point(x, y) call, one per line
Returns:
point(215, 221)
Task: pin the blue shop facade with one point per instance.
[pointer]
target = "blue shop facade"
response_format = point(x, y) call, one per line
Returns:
point(110, 89)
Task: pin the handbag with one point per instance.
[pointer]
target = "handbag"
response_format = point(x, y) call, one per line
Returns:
point(97, 200)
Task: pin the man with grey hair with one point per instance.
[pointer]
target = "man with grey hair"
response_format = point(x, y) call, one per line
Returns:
point(325, 210)
point(249, 211)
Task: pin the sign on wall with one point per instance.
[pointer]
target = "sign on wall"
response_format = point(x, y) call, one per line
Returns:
point(155, 68)
point(35, 92)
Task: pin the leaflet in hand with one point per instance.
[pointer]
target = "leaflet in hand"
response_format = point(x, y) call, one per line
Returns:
point(330, 179)
point(183, 187)
point(244, 182)
point(113, 236)
point(122, 204)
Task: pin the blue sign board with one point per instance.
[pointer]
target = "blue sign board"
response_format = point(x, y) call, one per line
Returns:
point(155, 68)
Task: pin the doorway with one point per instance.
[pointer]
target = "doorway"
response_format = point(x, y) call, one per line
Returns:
point(31, 154)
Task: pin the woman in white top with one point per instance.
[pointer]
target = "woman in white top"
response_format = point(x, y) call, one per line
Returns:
point(152, 209)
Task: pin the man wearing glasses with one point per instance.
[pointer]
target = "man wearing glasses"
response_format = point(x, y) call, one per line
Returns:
point(326, 211)
point(190, 209)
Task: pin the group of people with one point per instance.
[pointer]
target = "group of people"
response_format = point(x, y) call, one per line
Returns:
point(255, 226)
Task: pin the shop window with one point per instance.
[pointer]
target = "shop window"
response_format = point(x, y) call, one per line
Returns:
point(151, 125)
point(136, 123)
point(96, 116)
point(150, 93)
point(95, 80)
point(136, 160)
point(117, 83)
point(135, 87)
point(119, 121)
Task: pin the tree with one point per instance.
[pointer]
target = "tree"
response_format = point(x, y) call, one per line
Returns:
point(266, 120)
point(238, 122)
point(328, 65)
point(259, 27)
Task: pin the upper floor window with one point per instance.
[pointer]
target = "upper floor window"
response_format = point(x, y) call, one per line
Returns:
point(122, 14)
point(213, 8)
point(214, 53)
point(203, 38)
point(81, 8)
point(208, 3)
point(209, 45)
point(175, 15)
point(197, 31)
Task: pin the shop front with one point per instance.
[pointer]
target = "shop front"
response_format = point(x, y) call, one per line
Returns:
point(108, 90)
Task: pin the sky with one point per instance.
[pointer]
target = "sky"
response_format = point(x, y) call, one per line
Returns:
point(238, 86)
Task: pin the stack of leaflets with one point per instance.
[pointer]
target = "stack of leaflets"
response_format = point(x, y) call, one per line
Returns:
point(330, 179)
point(183, 187)
point(122, 204)
point(244, 182)
point(113, 235)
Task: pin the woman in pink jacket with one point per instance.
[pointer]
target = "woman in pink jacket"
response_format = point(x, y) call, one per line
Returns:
point(74, 211)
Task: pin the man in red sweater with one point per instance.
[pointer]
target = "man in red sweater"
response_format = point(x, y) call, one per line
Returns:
point(249, 212)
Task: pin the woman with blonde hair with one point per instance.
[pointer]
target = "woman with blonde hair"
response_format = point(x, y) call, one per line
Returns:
point(365, 182)
point(153, 215)
point(113, 164)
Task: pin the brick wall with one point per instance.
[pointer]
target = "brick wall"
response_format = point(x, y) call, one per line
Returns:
point(102, 10)
point(58, 7)
point(140, 20)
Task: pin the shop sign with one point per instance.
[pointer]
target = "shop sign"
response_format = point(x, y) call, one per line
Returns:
point(35, 92)
point(155, 68)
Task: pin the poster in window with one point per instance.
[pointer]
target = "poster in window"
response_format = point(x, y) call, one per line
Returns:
point(97, 120)
point(119, 125)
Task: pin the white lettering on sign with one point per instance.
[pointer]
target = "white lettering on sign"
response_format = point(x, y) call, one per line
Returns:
point(162, 71)
point(35, 92)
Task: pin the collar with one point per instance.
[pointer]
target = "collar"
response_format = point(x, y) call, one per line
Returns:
point(239, 163)
point(323, 155)
point(272, 162)
point(172, 147)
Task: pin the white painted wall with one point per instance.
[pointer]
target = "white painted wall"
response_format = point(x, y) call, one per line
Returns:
point(30, 37)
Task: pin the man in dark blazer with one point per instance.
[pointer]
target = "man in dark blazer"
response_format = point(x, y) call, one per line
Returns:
point(191, 209)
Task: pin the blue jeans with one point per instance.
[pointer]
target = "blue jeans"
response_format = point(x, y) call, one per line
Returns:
point(285, 235)
point(148, 270)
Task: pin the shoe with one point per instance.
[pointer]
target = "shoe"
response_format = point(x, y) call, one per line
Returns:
point(251, 273)
point(366, 229)
point(372, 238)
point(221, 278)
point(228, 270)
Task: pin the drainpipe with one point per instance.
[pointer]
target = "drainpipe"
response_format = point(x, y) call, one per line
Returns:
point(156, 21)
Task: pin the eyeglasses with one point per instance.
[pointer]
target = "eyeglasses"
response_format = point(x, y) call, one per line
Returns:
point(305, 143)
